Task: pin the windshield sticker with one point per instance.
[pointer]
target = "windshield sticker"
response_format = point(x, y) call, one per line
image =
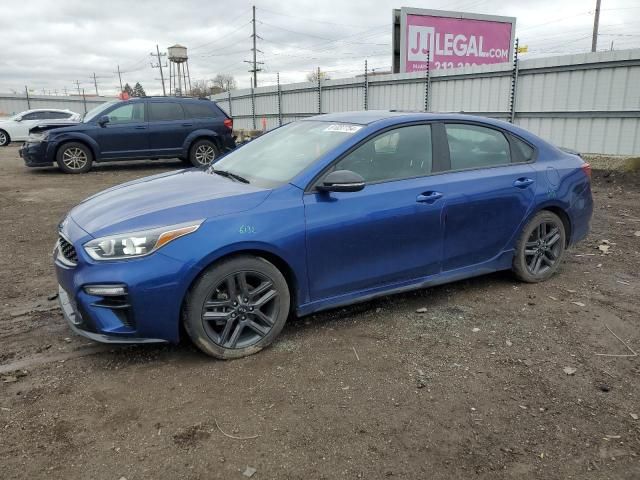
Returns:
point(343, 128)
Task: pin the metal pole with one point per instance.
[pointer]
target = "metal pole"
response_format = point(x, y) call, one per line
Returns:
point(188, 76)
point(514, 86)
point(596, 22)
point(120, 78)
point(164, 93)
point(95, 82)
point(26, 90)
point(179, 81)
point(427, 82)
point(230, 103)
point(253, 105)
point(84, 101)
point(319, 93)
point(366, 86)
point(255, 64)
point(279, 100)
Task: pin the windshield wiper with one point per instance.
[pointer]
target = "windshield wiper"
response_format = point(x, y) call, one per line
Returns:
point(235, 176)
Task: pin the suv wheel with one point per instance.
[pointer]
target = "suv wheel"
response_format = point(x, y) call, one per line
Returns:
point(202, 153)
point(74, 157)
point(237, 307)
point(4, 138)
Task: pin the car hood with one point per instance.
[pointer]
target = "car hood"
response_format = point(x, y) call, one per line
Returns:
point(44, 126)
point(164, 199)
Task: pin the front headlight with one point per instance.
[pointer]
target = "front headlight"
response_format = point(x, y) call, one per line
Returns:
point(37, 137)
point(137, 244)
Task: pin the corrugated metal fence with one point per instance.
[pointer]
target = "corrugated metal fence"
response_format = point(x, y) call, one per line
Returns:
point(589, 102)
point(11, 104)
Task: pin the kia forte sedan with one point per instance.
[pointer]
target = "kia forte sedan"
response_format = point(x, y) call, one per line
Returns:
point(320, 213)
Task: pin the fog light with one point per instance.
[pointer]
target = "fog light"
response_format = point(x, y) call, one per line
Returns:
point(106, 290)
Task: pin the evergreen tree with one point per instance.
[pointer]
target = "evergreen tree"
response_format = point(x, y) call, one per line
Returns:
point(138, 91)
point(128, 89)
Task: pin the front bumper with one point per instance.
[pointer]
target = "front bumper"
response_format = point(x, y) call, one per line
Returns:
point(150, 310)
point(35, 154)
point(75, 321)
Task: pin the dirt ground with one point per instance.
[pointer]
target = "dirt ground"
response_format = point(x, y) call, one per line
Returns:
point(473, 388)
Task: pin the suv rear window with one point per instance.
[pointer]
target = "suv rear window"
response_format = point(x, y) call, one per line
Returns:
point(165, 111)
point(200, 110)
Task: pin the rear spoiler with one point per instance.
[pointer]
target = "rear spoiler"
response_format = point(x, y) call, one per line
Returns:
point(571, 151)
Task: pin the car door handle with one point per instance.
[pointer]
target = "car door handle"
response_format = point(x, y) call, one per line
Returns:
point(141, 127)
point(187, 124)
point(428, 197)
point(523, 182)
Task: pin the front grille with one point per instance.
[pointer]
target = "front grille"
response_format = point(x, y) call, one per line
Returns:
point(67, 250)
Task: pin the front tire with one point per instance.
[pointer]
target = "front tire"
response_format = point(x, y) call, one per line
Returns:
point(237, 307)
point(540, 248)
point(4, 138)
point(74, 157)
point(202, 153)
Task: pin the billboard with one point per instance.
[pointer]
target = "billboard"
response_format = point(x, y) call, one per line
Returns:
point(449, 39)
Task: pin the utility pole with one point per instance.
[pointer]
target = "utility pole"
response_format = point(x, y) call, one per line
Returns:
point(159, 56)
point(95, 82)
point(78, 86)
point(120, 77)
point(596, 21)
point(255, 63)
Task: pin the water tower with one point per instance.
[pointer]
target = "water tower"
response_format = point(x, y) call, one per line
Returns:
point(179, 77)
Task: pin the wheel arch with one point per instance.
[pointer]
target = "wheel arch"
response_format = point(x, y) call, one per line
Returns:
point(87, 143)
point(7, 134)
point(258, 251)
point(559, 210)
point(201, 135)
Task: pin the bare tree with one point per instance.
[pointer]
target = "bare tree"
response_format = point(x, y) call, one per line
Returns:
point(201, 88)
point(224, 81)
point(312, 76)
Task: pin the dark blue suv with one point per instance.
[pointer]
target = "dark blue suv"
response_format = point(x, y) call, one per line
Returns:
point(194, 130)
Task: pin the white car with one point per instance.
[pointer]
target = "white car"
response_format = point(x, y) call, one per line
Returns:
point(16, 128)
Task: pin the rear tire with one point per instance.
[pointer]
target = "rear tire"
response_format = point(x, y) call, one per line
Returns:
point(4, 138)
point(237, 307)
point(74, 157)
point(540, 248)
point(202, 153)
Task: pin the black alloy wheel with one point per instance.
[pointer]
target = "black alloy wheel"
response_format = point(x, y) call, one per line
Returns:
point(237, 307)
point(540, 248)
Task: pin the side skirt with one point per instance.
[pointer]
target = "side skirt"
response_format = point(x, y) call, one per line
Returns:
point(501, 262)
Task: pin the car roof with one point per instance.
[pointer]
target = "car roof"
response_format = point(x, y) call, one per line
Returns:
point(370, 116)
point(47, 110)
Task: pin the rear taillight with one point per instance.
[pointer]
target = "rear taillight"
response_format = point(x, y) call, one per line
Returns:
point(228, 123)
point(586, 168)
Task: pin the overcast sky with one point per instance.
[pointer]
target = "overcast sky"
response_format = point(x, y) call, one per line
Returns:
point(51, 44)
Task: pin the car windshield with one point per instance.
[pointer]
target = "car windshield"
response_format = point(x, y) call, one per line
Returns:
point(278, 156)
point(94, 112)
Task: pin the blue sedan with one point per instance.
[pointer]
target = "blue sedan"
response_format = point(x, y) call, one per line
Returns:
point(320, 213)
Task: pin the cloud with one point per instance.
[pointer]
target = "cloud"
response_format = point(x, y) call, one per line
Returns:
point(50, 47)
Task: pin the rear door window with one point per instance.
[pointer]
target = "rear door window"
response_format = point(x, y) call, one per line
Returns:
point(165, 111)
point(199, 110)
point(473, 146)
point(35, 116)
point(52, 115)
point(522, 152)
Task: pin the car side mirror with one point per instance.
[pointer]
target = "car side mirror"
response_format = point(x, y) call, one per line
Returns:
point(341, 181)
point(18, 119)
point(103, 120)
